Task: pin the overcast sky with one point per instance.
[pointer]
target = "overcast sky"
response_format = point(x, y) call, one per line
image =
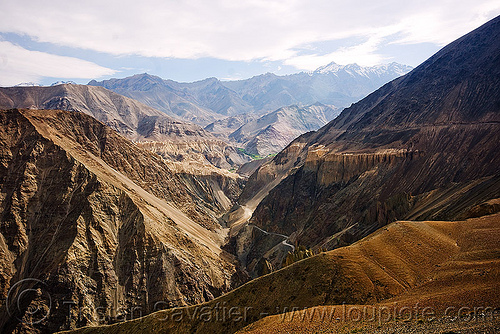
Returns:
point(50, 40)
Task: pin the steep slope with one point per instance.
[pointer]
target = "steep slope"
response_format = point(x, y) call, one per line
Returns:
point(424, 146)
point(272, 132)
point(224, 127)
point(118, 112)
point(105, 226)
point(130, 118)
point(435, 264)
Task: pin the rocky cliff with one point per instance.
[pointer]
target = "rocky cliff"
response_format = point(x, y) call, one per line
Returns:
point(424, 146)
point(102, 229)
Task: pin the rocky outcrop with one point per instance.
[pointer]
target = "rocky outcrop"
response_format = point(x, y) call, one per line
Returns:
point(100, 229)
point(208, 151)
point(423, 146)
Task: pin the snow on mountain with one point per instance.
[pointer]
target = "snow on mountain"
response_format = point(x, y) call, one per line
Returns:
point(63, 83)
point(27, 84)
point(366, 71)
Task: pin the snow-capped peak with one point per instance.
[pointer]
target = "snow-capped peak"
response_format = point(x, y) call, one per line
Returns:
point(366, 71)
point(63, 83)
point(27, 84)
point(331, 67)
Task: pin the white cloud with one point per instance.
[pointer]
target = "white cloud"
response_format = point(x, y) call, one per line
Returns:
point(364, 54)
point(243, 30)
point(20, 65)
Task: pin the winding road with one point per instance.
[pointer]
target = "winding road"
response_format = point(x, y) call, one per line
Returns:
point(284, 242)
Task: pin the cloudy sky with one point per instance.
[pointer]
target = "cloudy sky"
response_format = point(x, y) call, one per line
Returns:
point(46, 41)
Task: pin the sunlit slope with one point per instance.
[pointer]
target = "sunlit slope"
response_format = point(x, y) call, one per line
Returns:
point(435, 263)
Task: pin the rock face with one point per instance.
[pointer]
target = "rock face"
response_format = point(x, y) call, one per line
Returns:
point(424, 146)
point(104, 228)
point(130, 118)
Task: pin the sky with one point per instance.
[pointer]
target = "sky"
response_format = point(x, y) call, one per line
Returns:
point(188, 40)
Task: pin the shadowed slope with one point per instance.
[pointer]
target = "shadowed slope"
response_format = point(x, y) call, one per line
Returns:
point(424, 146)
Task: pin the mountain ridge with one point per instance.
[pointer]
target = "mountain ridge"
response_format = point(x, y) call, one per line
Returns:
point(423, 146)
point(271, 132)
point(103, 223)
point(209, 100)
point(130, 118)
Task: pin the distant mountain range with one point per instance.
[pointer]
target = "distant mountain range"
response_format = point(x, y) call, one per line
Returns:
point(32, 84)
point(245, 112)
point(261, 115)
point(333, 84)
point(133, 119)
point(209, 100)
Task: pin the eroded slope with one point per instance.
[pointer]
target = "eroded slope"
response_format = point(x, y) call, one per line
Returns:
point(100, 223)
point(424, 146)
point(434, 263)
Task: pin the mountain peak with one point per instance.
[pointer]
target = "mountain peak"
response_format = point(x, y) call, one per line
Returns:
point(63, 83)
point(331, 67)
point(355, 69)
point(27, 84)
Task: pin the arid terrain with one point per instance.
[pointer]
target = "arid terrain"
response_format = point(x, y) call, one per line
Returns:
point(103, 222)
point(120, 216)
point(422, 147)
point(426, 267)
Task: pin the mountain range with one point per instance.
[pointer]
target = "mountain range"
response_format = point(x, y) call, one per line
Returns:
point(239, 118)
point(391, 207)
point(422, 147)
point(209, 100)
point(134, 120)
point(241, 112)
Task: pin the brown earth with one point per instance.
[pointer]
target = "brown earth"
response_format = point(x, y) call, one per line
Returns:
point(422, 147)
point(91, 219)
point(435, 264)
